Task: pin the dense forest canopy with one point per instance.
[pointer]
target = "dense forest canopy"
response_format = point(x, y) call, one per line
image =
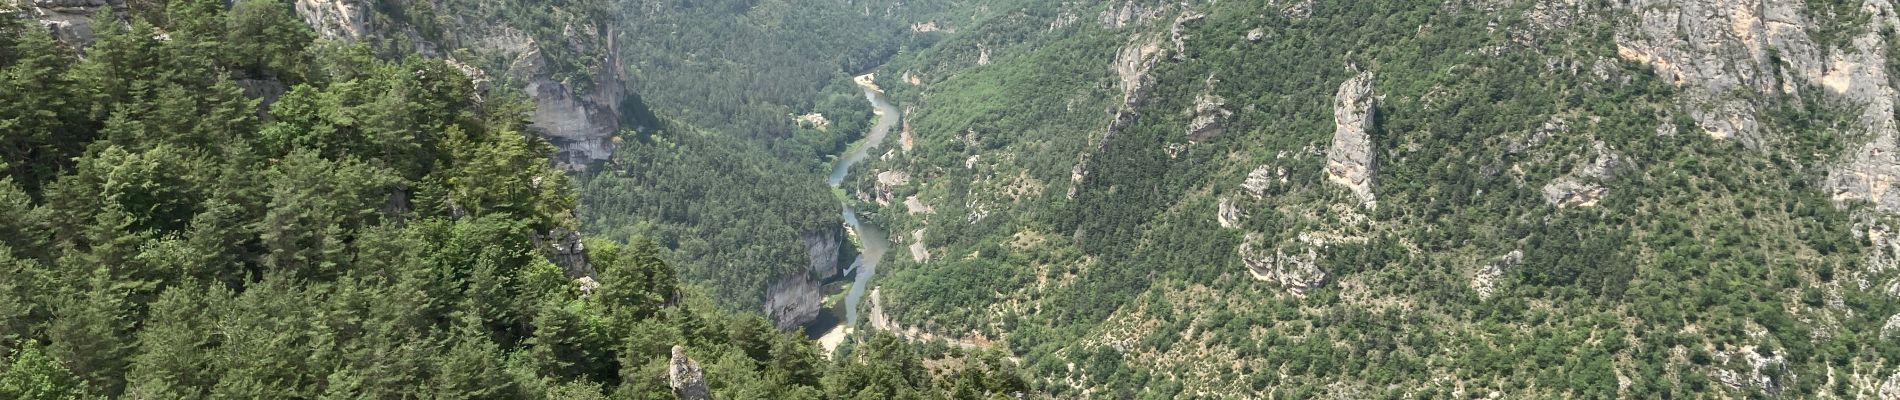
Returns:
point(380, 229)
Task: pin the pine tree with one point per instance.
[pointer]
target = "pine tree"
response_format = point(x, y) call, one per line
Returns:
point(34, 375)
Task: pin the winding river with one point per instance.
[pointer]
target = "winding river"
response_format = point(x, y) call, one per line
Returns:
point(872, 241)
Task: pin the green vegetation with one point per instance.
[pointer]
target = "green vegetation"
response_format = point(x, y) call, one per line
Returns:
point(1703, 250)
point(370, 233)
point(723, 208)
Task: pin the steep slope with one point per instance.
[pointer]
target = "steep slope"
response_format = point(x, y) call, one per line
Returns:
point(1355, 199)
point(374, 228)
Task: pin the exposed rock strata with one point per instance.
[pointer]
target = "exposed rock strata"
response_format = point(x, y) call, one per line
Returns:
point(577, 111)
point(1229, 215)
point(918, 251)
point(1350, 161)
point(1730, 56)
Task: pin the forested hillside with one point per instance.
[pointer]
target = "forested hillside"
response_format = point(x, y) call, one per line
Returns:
point(383, 227)
point(1392, 199)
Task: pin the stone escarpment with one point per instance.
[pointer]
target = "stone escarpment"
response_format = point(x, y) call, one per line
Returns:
point(821, 246)
point(1730, 58)
point(792, 300)
point(1350, 161)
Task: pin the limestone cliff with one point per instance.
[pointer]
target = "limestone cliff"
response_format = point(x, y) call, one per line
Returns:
point(821, 245)
point(1350, 161)
point(792, 300)
point(1731, 58)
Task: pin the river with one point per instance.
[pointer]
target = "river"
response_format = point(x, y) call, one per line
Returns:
point(872, 241)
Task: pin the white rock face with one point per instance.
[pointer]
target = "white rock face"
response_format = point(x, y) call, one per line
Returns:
point(347, 20)
point(1763, 373)
point(1350, 161)
point(1891, 389)
point(580, 127)
point(581, 123)
point(916, 206)
point(1297, 273)
point(1229, 215)
point(1261, 179)
point(1727, 56)
point(1132, 65)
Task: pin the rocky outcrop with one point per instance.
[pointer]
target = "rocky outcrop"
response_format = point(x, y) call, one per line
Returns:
point(1178, 32)
point(564, 248)
point(69, 20)
point(1132, 66)
point(1208, 113)
point(1881, 271)
point(1131, 12)
point(915, 206)
point(1294, 9)
point(581, 124)
point(1350, 161)
point(1729, 57)
point(1715, 49)
point(1485, 280)
point(887, 184)
point(1297, 273)
point(1891, 389)
point(1228, 215)
point(347, 20)
point(1262, 178)
point(821, 246)
point(918, 251)
point(685, 377)
point(1751, 370)
point(1582, 187)
point(792, 300)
